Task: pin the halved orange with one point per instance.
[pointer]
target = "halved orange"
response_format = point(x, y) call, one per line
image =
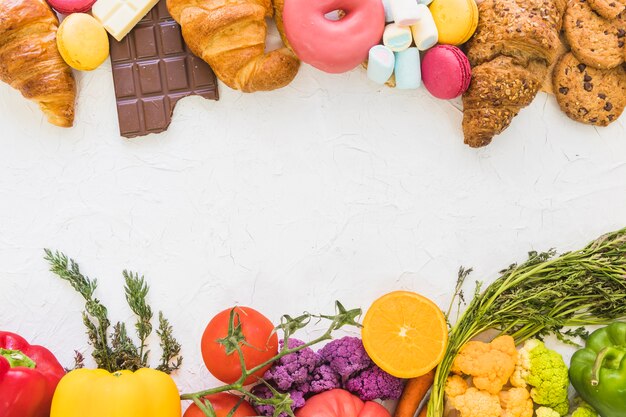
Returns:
point(405, 333)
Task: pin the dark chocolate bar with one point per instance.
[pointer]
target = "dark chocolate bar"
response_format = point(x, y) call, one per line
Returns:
point(152, 69)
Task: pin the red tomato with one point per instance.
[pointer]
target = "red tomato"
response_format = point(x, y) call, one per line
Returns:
point(340, 403)
point(261, 345)
point(223, 403)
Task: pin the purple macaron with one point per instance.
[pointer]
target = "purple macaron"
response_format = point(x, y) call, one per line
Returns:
point(446, 72)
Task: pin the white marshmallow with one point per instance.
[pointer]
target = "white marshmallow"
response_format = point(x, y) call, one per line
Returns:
point(405, 12)
point(425, 32)
point(408, 71)
point(380, 64)
point(388, 12)
point(397, 38)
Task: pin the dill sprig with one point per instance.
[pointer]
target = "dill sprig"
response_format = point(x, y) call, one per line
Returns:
point(541, 296)
point(117, 350)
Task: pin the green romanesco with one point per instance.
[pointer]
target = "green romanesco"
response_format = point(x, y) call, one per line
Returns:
point(583, 410)
point(546, 412)
point(545, 372)
point(561, 408)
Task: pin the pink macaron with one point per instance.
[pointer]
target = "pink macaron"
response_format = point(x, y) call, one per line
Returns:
point(446, 72)
point(71, 6)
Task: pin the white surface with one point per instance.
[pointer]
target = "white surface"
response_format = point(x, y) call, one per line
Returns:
point(328, 189)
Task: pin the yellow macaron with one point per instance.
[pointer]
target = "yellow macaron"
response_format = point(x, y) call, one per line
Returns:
point(82, 42)
point(456, 20)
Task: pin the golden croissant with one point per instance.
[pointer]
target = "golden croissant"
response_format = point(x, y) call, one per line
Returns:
point(230, 36)
point(30, 61)
point(515, 43)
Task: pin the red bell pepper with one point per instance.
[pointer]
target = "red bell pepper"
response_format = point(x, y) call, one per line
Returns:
point(28, 377)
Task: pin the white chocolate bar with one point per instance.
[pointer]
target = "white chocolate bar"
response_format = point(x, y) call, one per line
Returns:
point(119, 16)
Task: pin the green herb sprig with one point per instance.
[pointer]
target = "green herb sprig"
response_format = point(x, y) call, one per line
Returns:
point(116, 350)
point(288, 326)
point(542, 296)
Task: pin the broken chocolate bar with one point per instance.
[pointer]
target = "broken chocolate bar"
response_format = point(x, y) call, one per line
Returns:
point(152, 70)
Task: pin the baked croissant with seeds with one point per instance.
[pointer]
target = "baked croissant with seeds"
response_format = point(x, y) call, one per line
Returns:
point(230, 36)
point(515, 43)
point(30, 61)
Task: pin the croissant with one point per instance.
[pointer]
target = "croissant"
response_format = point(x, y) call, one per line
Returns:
point(230, 36)
point(30, 61)
point(515, 43)
point(500, 88)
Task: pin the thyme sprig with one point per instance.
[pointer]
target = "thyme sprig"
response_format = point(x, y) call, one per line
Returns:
point(544, 295)
point(116, 350)
point(288, 326)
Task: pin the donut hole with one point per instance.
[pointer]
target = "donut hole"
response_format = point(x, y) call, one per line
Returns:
point(335, 15)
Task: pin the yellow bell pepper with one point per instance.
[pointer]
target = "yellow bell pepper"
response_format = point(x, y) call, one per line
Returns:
point(98, 393)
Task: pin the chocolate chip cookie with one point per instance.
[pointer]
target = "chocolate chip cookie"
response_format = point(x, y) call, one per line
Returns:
point(596, 41)
point(609, 9)
point(589, 95)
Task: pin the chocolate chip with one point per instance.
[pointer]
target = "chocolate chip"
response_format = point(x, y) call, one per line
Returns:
point(583, 110)
point(612, 4)
point(602, 96)
point(587, 78)
point(581, 67)
point(611, 117)
point(620, 44)
point(563, 90)
point(588, 86)
point(621, 33)
point(608, 106)
point(593, 119)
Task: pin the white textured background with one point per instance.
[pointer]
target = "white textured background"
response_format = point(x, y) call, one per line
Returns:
point(331, 188)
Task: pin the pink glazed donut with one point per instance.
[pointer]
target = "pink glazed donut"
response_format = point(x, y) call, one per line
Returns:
point(333, 46)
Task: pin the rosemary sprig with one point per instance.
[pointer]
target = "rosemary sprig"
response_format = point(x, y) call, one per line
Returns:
point(136, 291)
point(117, 350)
point(288, 326)
point(125, 354)
point(95, 316)
point(170, 358)
point(544, 295)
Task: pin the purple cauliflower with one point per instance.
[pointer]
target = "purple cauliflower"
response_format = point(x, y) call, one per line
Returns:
point(263, 391)
point(374, 383)
point(346, 356)
point(342, 363)
point(324, 379)
point(292, 372)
